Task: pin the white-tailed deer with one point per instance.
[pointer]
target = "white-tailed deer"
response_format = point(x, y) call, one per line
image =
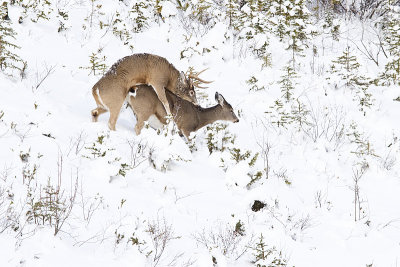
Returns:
point(187, 116)
point(112, 89)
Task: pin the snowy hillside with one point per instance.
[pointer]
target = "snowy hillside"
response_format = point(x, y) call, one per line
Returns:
point(310, 176)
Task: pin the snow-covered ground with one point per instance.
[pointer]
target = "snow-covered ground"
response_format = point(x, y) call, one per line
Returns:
point(152, 200)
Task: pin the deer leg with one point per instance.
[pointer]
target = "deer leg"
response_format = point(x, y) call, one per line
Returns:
point(186, 134)
point(160, 91)
point(140, 119)
point(139, 126)
point(97, 112)
point(114, 113)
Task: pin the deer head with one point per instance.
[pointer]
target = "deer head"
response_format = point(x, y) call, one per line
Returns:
point(187, 82)
point(185, 88)
point(227, 112)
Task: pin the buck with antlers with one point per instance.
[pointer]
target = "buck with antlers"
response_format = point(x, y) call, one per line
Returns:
point(187, 116)
point(112, 89)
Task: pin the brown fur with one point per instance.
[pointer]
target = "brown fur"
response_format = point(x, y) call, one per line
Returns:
point(111, 90)
point(187, 116)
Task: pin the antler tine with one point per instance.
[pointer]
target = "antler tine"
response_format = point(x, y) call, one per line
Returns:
point(195, 76)
point(198, 86)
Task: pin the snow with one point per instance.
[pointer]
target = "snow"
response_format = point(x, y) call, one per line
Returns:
point(309, 193)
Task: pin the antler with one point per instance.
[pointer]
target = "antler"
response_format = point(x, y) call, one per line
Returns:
point(191, 74)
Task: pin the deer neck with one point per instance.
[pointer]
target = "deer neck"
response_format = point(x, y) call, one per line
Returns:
point(174, 77)
point(208, 115)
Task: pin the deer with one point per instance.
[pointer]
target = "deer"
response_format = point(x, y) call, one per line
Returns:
point(111, 91)
point(187, 116)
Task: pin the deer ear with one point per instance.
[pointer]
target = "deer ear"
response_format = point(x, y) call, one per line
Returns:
point(182, 76)
point(219, 98)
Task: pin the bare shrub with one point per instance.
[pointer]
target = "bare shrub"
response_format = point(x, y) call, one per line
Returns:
point(161, 234)
point(6, 172)
point(76, 144)
point(139, 153)
point(41, 76)
point(282, 175)
point(265, 146)
point(325, 122)
point(20, 131)
point(359, 212)
point(89, 205)
point(227, 239)
point(196, 19)
point(372, 49)
point(9, 218)
point(388, 161)
point(321, 199)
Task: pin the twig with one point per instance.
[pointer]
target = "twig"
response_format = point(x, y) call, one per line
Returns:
point(40, 80)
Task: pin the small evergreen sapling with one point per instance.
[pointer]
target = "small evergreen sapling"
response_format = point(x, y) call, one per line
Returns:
point(267, 257)
point(346, 67)
point(287, 83)
point(9, 60)
point(290, 21)
point(391, 28)
point(97, 64)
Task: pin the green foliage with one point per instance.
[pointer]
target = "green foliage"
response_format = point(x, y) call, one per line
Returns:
point(218, 137)
point(36, 10)
point(254, 178)
point(260, 250)
point(253, 83)
point(62, 18)
point(97, 64)
point(263, 54)
point(135, 240)
point(279, 114)
point(253, 160)
point(123, 169)
point(288, 111)
point(121, 29)
point(233, 14)
point(237, 156)
point(363, 96)
point(266, 256)
point(118, 237)
point(138, 15)
point(28, 173)
point(287, 84)
point(9, 60)
point(157, 8)
point(182, 6)
point(299, 113)
point(97, 150)
point(51, 207)
point(391, 29)
point(202, 12)
point(330, 23)
point(346, 67)
point(363, 147)
point(239, 228)
point(95, 15)
point(290, 21)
